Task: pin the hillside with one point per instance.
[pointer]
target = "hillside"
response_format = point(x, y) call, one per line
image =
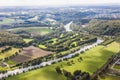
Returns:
point(103, 27)
point(7, 38)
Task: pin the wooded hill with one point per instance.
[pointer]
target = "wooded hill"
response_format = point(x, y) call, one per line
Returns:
point(10, 39)
point(103, 27)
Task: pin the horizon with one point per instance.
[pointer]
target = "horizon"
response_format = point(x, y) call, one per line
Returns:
point(58, 3)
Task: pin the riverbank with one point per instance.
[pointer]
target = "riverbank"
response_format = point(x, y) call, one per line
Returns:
point(18, 71)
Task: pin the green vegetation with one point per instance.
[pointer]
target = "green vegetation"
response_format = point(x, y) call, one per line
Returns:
point(56, 43)
point(75, 27)
point(46, 73)
point(110, 77)
point(8, 53)
point(42, 46)
point(10, 39)
point(107, 41)
point(32, 30)
point(117, 66)
point(92, 60)
point(6, 21)
point(104, 27)
point(10, 62)
point(27, 40)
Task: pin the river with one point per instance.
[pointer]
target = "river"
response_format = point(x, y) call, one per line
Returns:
point(67, 26)
point(16, 71)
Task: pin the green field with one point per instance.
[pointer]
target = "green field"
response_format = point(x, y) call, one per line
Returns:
point(110, 77)
point(117, 66)
point(10, 62)
point(6, 21)
point(42, 46)
point(33, 30)
point(92, 60)
point(8, 53)
point(27, 40)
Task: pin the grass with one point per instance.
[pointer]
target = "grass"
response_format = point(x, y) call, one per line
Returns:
point(6, 21)
point(4, 68)
point(74, 43)
point(61, 35)
point(42, 46)
point(46, 73)
point(33, 30)
point(92, 60)
point(27, 40)
point(10, 62)
point(110, 77)
point(117, 66)
point(8, 53)
point(54, 40)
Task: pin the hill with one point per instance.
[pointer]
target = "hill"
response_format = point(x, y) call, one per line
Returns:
point(104, 27)
point(10, 39)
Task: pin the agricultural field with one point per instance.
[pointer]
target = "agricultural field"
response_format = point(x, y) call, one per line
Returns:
point(34, 52)
point(110, 77)
point(117, 66)
point(8, 53)
point(6, 21)
point(19, 59)
point(33, 30)
point(56, 43)
point(29, 53)
point(92, 60)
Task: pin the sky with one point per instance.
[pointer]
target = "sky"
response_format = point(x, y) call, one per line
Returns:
point(54, 2)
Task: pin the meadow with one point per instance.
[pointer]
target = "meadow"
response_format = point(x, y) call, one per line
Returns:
point(8, 53)
point(93, 59)
point(6, 21)
point(110, 77)
point(33, 30)
point(27, 40)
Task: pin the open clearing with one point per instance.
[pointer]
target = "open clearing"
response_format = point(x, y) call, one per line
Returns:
point(117, 66)
point(7, 21)
point(92, 60)
point(42, 46)
point(110, 77)
point(20, 58)
point(29, 53)
point(34, 52)
point(27, 40)
point(33, 30)
point(8, 53)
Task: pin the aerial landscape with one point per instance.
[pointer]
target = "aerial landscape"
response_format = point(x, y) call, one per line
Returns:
point(60, 40)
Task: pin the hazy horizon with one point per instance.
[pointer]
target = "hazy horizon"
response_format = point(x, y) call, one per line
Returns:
point(56, 2)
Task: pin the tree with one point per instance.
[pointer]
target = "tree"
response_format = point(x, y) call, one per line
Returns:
point(58, 70)
point(77, 72)
point(67, 74)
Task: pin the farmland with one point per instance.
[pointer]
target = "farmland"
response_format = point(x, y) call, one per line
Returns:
point(6, 21)
point(34, 52)
point(8, 53)
point(117, 66)
point(68, 41)
point(110, 77)
point(29, 53)
point(32, 30)
point(20, 58)
point(92, 60)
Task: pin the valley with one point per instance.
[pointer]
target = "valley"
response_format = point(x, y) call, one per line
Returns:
point(60, 43)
